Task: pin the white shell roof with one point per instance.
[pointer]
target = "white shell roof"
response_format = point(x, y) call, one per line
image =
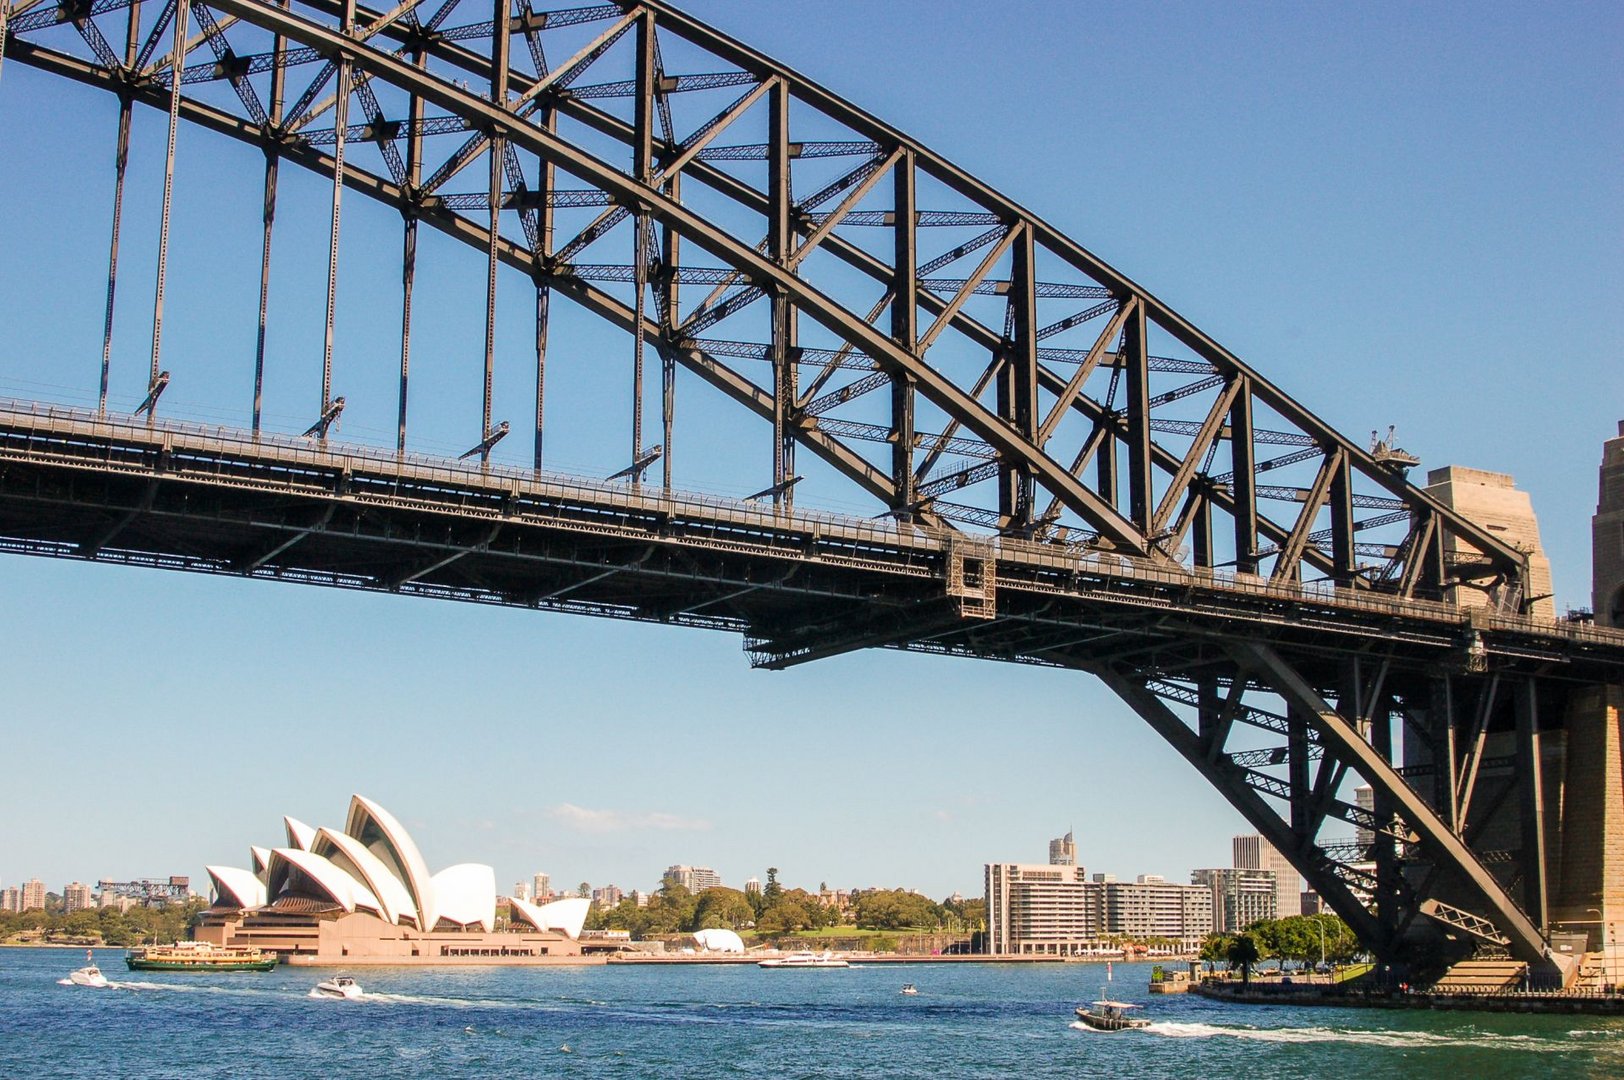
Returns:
point(339, 886)
point(566, 916)
point(393, 845)
point(352, 856)
point(237, 886)
point(300, 835)
point(465, 894)
point(719, 940)
point(262, 860)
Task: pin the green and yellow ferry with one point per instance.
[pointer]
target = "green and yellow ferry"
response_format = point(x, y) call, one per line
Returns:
point(199, 956)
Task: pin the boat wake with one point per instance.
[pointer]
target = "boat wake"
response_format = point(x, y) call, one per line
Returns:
point(1078, 1025)
point(1409, 1040)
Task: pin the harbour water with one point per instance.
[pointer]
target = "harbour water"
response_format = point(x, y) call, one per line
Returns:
point(968, 1020)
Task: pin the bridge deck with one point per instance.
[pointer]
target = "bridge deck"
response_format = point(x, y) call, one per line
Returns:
point(217, 500)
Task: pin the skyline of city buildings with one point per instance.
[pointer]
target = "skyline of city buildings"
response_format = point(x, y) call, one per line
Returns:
point(1058, 908)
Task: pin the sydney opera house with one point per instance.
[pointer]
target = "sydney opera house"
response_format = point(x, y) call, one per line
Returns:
point(365, 895)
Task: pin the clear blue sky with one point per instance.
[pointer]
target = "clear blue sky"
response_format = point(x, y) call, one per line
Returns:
point(1402, 214)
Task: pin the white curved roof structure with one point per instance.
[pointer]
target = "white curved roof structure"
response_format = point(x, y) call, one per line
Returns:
point(566, 916)
point(348, 854)
point(262, 861)
point(719, 940)
point(305, 871)
point(379, 832)
point(300, 835)
point(236, 887)
point(465, 894)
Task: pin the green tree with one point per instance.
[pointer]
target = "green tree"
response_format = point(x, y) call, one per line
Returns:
point(773, 891)
point(1215, 949)
point(896, 909)
point(722, 908)
point(1243, 953)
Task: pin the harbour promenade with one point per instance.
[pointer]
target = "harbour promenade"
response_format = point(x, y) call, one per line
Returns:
point(1356, 996)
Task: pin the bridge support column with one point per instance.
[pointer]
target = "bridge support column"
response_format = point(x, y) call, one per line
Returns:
point(1589, 894)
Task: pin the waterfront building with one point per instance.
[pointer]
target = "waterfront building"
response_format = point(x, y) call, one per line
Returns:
point(1063, 851)
point(11, 899)
point(1252, 852)
point(33, 895)
point(1492, 500)
point(76, 896)
point(608, 896)
point(1042, 909)
point(640, 898)
point(541, 887)
point(696, 879)
point(365, 894)
point(1239, 896)
point(1607, 536)
point(1059, 910)
point(1150, 906)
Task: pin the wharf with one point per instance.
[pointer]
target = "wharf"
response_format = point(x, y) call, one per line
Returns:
point(854, 958)
point(1511, 1001)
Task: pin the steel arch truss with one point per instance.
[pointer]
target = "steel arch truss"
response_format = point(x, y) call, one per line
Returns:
point(1420, 866)
point(959, 360)
point(954, 356)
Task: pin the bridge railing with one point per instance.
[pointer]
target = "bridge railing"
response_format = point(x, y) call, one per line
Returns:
point(1104, 568)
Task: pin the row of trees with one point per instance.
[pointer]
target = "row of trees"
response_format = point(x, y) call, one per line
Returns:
point(776, 910)
point(106, 926)
point(1296, 938)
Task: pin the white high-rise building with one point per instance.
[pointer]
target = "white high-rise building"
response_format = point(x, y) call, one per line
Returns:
point(521, 890)
point(696, 879)
point(1364, 796)
point(1239, 897)
point(541, 887)
point(1255, 853)
point(76, 896)
point(1063, 851)
point(1041, 908)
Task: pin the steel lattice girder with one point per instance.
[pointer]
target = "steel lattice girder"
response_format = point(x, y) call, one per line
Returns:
point(846, 324)
point(1018, 450)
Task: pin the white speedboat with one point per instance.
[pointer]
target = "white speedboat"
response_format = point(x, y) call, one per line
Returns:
point(90, 974)
point(825, 959)
point(1110, 1016)
point(339, 986)
point(909, 988)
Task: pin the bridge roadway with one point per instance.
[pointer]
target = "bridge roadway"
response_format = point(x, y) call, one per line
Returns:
point(798, 586)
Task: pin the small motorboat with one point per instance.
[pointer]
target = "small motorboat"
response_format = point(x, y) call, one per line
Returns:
point(339, 986)
point(909, 988)
point(90, 974)
point(1110, 1016)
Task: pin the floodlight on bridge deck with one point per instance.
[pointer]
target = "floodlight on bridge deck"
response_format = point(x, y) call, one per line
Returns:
point(636, 469)
point(777, 489)
point(483, 449)
point(328, 418)
point(154, 392)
